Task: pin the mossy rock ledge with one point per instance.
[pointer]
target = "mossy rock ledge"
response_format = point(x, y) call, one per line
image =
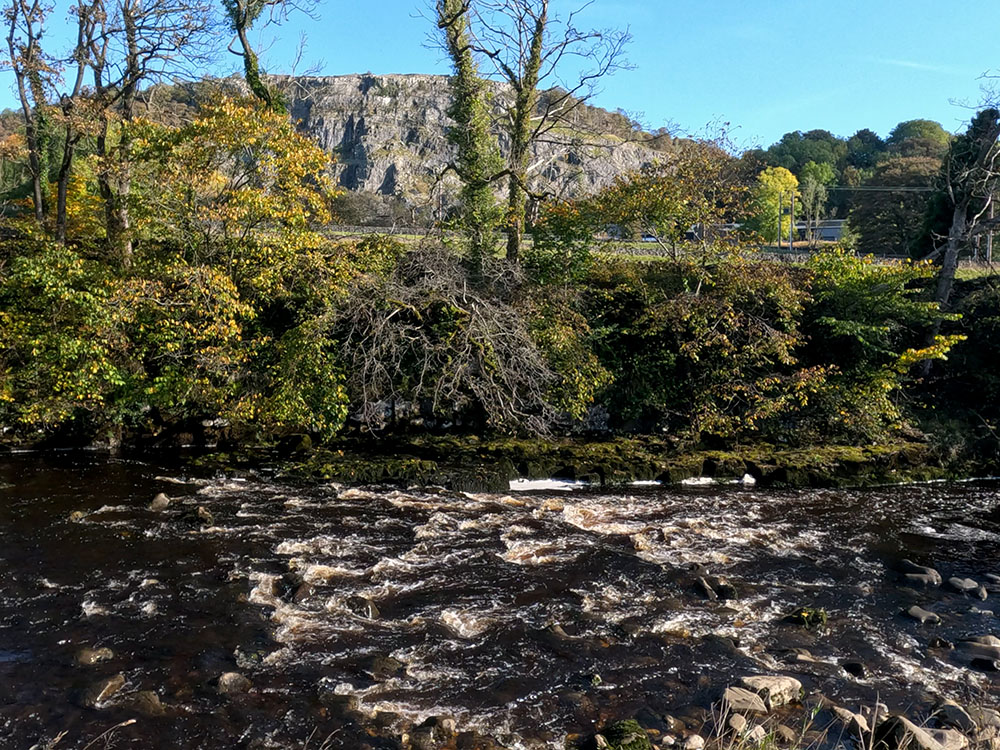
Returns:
point(471, 464)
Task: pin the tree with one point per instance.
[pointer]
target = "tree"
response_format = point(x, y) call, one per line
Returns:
point(918, 138)
point(25, 21)
point(137, 42)
point(864, 149)
point(697, 187)
point(772, 194)
point(815, 178)
point(478, 159)
point(971, 173)
point(796, 149)
point(526, 48)
point(242, 15)
point(888, 221)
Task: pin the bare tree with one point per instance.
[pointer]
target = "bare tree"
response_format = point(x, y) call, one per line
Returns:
point(137, 43)
point(242, 16)
point(971, 176)
point(528, 49)
point(76, 113)
point(25, 21)
point(425, 337)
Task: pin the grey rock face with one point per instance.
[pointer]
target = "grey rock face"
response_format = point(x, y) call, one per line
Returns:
point(388, 134)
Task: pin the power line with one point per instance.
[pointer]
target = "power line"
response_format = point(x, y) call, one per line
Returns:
point(884, 189)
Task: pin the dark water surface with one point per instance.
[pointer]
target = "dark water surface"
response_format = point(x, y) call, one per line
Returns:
point(494, 610)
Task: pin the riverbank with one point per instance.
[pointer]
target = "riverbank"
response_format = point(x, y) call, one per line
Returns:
point(489, 465)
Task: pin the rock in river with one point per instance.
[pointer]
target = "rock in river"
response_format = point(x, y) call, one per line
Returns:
point(742, 701)
point(103, 690)
point(776, 690)
point(898, 732)
point(908, 566)
point(231, 683)
point(922, 616)
point(963, 585)
point(87, 657)
point(160, 502)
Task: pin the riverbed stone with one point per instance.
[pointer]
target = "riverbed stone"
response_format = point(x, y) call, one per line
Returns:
point(776, 690)
point(908, 566)
point(856, 724)
point(233, 683)
point(923, 580)
point(694, 742)
point(898, 733)
point(103, 690)
point(363, 607)
point(756, 734)
point(145, 703)
point(923, 616)
point(87, 657)
point(199, 516)
point(737, 723)
point(951, 714)
point(785, 735)
point(160, 502)
point(705, 590)
point(626, 735)
point(949, 739)
point(743, 701)
point(963, 585)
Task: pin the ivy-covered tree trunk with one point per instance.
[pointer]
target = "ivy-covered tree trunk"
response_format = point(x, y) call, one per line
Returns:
point(521, 137)
point(478, 160)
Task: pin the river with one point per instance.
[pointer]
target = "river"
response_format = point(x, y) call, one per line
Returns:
point(355, 613)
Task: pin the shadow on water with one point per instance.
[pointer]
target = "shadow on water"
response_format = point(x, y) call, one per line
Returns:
point(355, 613)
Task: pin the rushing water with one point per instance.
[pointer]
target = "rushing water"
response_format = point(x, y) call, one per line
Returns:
point(355, 612)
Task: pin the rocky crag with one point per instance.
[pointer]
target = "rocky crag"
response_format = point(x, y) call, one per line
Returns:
point(388, 135)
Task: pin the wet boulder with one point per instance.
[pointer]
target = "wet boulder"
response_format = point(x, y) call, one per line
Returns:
point(160, 502)
point(432, 734)
point(809, 617)
point(88, 657)
point(102, 691)
point(200, 516)
point(363, 607)
point(856, 724)
point(776, 690)
point(145, 703)
point(742, 701)
point(951, 714)
point(921, 580)
point(233, 683)
point(908, 566)
point(963, 585)
point(923, 616)
point(899, 733)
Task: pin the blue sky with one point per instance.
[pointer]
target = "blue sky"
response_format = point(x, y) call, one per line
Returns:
point(765, 66)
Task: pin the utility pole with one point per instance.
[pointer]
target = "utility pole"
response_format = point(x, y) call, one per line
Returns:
point(779, 221)
point(791, 225)
point(989, 237)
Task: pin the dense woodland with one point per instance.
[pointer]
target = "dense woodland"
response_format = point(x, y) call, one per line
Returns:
point(159, 271)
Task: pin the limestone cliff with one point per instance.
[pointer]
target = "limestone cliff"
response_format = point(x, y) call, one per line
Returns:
point(388, 136)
